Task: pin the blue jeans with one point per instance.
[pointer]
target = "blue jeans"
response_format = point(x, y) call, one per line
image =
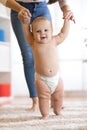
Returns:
point(36, 9)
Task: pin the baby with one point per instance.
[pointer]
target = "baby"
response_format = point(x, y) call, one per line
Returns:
point(47, 78)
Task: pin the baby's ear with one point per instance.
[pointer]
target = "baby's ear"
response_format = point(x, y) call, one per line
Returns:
point(30, 28)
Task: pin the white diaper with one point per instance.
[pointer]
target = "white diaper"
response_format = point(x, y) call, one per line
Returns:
point(52, 82)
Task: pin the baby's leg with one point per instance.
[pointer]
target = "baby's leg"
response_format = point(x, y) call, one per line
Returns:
point(57, 97)
point(43, 96)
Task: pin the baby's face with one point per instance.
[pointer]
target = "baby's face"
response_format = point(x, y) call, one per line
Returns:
point(42, 30)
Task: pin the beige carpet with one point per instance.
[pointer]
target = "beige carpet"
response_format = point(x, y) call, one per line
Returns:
point(16, 116)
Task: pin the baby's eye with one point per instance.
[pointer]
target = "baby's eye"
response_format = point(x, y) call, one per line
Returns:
point(46, 30)
point(38, 31)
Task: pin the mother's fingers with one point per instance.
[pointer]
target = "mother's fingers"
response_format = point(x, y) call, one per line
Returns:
point(69, 15)
point(73, 19)
point(24, 15)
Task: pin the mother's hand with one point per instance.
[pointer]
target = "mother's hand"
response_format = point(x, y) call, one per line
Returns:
point(68, 14)
point(24, 15)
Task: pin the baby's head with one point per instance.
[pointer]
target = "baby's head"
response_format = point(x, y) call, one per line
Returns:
point(41, 23)
point(42, 29)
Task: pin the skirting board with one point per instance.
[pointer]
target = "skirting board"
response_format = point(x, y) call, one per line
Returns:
point(75, 94)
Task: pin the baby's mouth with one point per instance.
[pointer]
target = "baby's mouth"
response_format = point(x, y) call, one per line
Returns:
point(43, 37)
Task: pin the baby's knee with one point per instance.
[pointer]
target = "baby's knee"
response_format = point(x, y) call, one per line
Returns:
point(44, 95)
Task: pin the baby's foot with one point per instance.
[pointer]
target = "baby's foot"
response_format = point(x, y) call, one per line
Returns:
point(45, 117)
point(57, 113)
point(62, 107)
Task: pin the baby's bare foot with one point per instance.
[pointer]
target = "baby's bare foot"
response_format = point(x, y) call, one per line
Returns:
point(57, 113)
point(45, 117)
point(63, 107)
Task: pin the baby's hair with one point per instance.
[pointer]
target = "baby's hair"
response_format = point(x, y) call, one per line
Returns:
point(38, 19)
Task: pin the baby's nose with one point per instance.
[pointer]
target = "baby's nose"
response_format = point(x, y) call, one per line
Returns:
point(42, 32)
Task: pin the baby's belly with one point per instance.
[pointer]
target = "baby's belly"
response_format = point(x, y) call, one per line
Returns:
point(47, 70)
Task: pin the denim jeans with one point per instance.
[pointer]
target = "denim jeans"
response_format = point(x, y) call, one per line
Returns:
point(36, 9)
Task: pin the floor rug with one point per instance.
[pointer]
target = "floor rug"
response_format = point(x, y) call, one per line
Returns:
point(15, 116)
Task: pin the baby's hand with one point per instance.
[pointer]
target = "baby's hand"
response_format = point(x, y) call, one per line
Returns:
point(24, 15)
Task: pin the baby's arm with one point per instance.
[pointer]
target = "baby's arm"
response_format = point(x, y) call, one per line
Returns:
point(27, 33)
point(64, 31)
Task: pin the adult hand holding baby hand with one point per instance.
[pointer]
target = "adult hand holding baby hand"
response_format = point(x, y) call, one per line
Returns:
point(24, 15)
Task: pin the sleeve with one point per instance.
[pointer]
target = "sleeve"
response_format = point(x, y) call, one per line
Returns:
point(62, 3)
point(3, 2)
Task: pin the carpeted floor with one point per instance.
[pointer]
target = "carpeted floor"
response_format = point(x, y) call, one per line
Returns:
point(15, 116)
